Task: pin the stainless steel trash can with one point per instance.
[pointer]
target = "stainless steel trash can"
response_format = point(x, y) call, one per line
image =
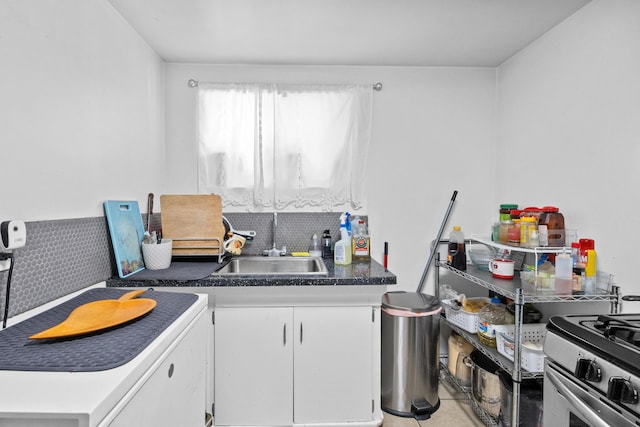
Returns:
point(410, 354)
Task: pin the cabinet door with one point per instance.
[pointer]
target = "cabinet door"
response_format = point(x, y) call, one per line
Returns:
point(253, 366)
point(174, 394)
point(333, 359)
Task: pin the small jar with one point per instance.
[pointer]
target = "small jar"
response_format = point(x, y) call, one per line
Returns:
point(505, 211)
point(528, 229)
point(505, 226)
point(551, 227)
point(513, 235)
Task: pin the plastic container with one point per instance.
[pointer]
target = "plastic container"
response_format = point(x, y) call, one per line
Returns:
point(551, 227)
point(531, 354)
point(460, 317)
point(314, 247)
point(489, 317)
point(457, 256)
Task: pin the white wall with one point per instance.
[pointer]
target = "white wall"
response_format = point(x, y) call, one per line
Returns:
point(81, 110)
point(433, 133)
point(569, 130)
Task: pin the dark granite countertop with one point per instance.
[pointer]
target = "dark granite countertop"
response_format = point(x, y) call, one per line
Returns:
point(199, 274)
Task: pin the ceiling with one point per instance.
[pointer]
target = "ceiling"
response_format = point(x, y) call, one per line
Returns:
point(343, 32)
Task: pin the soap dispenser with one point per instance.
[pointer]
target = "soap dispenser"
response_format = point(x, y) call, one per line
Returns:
point(314, 246)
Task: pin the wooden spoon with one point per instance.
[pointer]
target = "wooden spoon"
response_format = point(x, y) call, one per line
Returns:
point(97, 315)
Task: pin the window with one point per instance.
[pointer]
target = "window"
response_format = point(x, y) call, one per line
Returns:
point(284, 146)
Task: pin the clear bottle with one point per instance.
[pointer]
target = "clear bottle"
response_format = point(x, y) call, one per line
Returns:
point(314, 246)
point(360, 242)
point(457, 256)
point(488, 317)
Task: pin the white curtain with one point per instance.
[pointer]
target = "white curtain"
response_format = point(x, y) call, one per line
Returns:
point(284, 146)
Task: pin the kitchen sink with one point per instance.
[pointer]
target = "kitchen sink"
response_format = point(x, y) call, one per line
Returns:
point(280, 266)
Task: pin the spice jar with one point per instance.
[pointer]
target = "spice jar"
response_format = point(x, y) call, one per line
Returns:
point(505, 211)
point(528, 230)
point(551, 227)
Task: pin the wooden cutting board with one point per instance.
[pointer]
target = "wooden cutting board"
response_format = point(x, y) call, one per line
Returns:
point(194, 223)
point(98, 315)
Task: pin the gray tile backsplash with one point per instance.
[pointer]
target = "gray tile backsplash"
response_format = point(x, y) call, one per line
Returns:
point(63, 256)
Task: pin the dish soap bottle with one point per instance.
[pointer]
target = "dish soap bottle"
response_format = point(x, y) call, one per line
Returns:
point(457, 256)
point(342, 249)
point(360, 242)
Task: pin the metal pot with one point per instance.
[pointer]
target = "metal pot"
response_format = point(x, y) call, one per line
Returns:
point(485, 383)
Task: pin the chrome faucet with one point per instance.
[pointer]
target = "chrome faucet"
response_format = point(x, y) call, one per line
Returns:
point(274, 251)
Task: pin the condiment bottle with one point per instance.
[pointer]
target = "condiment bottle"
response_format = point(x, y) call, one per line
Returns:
point(527, 230)
point(589, 282)
point(551, 227)
point(457, 255)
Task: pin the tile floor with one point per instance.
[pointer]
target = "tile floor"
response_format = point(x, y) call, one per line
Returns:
point(454, 410)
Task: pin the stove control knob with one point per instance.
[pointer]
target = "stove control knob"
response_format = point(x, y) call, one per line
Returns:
point(621, 390)
point(588, 370)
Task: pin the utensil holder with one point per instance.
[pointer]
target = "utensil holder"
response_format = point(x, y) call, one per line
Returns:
point(157, 256)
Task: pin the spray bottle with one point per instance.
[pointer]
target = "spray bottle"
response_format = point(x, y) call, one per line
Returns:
point(342, 249)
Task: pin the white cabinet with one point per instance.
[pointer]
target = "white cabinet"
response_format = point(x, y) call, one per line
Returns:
point(296, 365)
point(174, 392)
point(253, 361)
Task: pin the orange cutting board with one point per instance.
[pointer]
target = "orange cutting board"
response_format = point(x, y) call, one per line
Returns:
point(98, 315)
point(195, 218)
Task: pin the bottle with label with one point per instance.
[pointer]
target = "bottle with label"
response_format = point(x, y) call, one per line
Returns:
point(489, 316)
point(360, 242)
point(457, 255)
point(327, 251)
point(342, 250)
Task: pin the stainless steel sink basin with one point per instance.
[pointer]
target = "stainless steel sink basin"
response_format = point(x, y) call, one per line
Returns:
point(257, 265)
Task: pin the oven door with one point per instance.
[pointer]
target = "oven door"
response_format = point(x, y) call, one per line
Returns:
point(570, 403)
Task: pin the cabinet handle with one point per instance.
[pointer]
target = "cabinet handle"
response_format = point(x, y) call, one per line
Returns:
point(284, 335)
point(300, 332)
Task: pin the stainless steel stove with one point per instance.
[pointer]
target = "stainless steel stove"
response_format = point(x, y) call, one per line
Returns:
point(592, 371)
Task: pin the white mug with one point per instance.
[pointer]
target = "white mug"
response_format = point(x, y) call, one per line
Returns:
point(501, 268)
point(235, 244)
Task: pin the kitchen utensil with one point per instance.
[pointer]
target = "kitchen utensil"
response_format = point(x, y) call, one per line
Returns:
point(434, 247)
point(98, 315)
point(194, 223)
point(127, 232)
point(229, 230)
point(149, 211)
point(235, 244)
point(501, 268)
point(485, 383)
point(157, 256)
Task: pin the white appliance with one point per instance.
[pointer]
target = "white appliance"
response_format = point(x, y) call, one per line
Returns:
point(164, 385)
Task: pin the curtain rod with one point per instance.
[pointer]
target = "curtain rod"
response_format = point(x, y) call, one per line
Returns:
point(194, 83)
